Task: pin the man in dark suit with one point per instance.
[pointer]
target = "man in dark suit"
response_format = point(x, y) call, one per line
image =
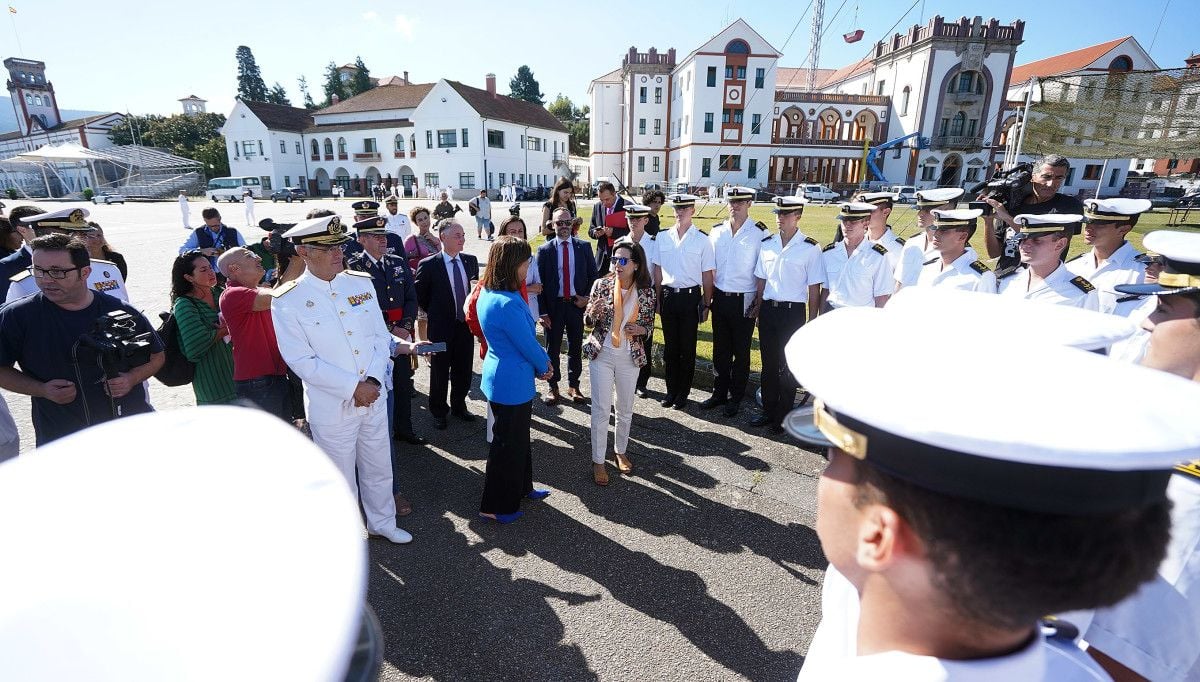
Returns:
point(608, 223)
point(567, 270)
point(443, 282)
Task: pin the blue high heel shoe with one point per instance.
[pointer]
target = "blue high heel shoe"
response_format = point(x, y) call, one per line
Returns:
point(538, 494)
point(502, 518)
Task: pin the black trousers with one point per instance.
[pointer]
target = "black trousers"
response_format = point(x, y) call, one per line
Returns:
point(565, 317)
point(645, 372)
point(295, 395)
point(402, 390)
point(775, 328)
point(732, 334)
point(680, 318)
point(453, 369)
point(509, 473)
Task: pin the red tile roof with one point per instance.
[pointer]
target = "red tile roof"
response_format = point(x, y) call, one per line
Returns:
point(280, 117)
point(381, 98)
point(1063, 63)
point(848, 71)
point(505, 108)
point(789, 78)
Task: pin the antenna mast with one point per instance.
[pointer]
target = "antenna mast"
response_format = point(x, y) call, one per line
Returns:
point(818, 19)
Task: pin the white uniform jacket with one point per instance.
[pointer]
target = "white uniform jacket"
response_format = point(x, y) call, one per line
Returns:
point(1120, 268)
point(1061, 287)
point(894, 246)
point(736, 255)
point(789, 270)
point(966, 272)
point(856, 279)
point(104, 277)
point(333, 336)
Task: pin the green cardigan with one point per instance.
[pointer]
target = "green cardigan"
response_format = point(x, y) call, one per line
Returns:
point(197, 323)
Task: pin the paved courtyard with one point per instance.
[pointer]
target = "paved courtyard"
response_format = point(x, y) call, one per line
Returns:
point(702, 564)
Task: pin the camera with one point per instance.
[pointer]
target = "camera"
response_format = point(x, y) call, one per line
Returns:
point(278, 246)
point(1010, 188)
point(118, 344)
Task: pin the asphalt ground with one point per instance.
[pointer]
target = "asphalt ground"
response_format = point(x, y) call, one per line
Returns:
point(701, 565)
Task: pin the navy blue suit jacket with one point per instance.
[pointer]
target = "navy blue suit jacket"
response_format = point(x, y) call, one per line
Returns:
point(583, 274)
point(10, 265)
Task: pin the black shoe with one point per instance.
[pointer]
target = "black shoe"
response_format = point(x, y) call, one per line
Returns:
point(681, 403)
point(712, 402)
point(776, 427)
point(463, 414)
point(761, 420)
point(411, 438)
point(668, 401)
point(439, 423)
point(642, 392)
point(731, 408)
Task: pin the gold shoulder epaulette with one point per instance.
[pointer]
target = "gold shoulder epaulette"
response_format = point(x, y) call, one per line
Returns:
point(356, 273)
point(829, 246)
point(880, 248)
point(1192, 468)
point(283, 289)
point(1082, 284)
point(812, 241)
point(900, 241)
point(21, 275)
point(760, 225)
point(979, 267)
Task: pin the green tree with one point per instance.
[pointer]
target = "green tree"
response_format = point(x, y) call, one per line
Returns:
point(577, 121)
point(361, 82)
point(333, 84)
point(308, 100)
point(278, 95)
point(196, 136)
point(524, 86)
point(250, 82)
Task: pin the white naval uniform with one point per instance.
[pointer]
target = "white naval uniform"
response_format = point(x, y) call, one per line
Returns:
point(789, 270)
point(683, 261)
point(916, 251)
point(248, 202)
point(894, 246)
point(833, 653)
point(966, 272)
point(1133, 349)
point(1061, 287)
point(856, 279)
point(398, 224)
point(735, 255)
point(185, 210)
point(649, 246)
point(105, 276)
point(332, 335)
point(1120, 268)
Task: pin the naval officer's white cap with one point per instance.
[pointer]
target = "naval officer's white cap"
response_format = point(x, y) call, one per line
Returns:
point(637, 211)
point(1047, 222)
point(938, 196)
point(953, 218)
point(740, 193)
point(327, 231)
point(684, 200)
point(855, 210)
point(136, 550)
point(1037, 448)
point(877, 198)
point(1180, 253)
point(786, 204)
point(70, 219)
point(1115, 210)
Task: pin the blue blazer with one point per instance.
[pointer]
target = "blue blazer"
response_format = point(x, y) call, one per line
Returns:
point(514, 356)
point(584, 273)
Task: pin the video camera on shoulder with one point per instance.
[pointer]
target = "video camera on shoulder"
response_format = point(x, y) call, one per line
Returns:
point(118, 344)
point(1010, 187)
point(275, 243)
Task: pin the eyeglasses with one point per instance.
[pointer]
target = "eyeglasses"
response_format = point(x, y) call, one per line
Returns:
point(564, 223)
point(619, 260)
point(52, 273)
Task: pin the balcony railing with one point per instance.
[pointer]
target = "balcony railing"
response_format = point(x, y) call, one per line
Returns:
point(965, 97)
point(368, 156)
point(316, 157)
point(329, 157)
point(831, 98)
point(342, 156)
point(399, 154)
point(818, 142)
point(961, 142)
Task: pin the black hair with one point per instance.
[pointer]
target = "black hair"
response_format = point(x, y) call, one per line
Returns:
point(641, 278)
point(210, 213)
point(70, 244)
point(185, 264)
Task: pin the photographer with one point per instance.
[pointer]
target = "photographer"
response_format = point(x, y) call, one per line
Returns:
point(214, 238)
point(1002, 236)
point(54, 334)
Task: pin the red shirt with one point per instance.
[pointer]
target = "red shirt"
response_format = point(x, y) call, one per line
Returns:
point(255, 350)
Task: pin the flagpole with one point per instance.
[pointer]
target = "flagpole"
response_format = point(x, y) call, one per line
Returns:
point(12, 11)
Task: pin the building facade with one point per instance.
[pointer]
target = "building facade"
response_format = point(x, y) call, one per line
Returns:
point(444, 134)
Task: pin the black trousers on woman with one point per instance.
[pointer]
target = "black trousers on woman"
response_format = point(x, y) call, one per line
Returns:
point(509, 473)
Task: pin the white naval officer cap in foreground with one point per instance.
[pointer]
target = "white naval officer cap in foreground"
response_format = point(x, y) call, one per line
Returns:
point(1047, 222)
point(786, 204)
point(877, 198)
point(854, 210)
point(952, 218)
point(739, 193)
point(327, 231)
point(146, 549)
point(1180, 252)
point(685, 200)
point(938, 196)
point(1036, 447)
point(1114, 210)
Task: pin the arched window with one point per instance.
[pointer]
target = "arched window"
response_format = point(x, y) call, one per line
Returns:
point(328, 147)
point(412, 142)
point(316, 148)
point(28, 98)
point(399, 141)
point(737, 47)
point(37, 99)
point(1121, 63)
point(904, 95)
point(341, 146)
point(958, 124)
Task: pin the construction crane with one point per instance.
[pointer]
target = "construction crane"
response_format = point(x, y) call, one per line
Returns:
point(818, 19)
point(873, 152)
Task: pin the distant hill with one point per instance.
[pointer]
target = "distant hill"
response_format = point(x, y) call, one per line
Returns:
point(8, 121)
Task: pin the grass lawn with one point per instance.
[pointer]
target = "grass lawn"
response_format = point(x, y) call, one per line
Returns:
point(820, 223)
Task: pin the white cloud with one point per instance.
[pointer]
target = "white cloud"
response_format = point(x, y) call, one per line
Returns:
point(371, 15)
point(405, 26)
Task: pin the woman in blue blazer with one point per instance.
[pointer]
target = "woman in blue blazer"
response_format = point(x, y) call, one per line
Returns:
point(514, 358)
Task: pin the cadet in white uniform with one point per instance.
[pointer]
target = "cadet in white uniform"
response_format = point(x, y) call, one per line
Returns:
point(105, 276)
point(1152, 633)
point(684, 279)
point(857, 272)
point(919, 249)
point(1111, 260)
point(184, 210)
point(1041, 275)
point(879, 231)
point(789, 275)
point(955, 266)
point(950, 533)
point(735, 242)
point(248, 201)
point(397, 223)
point(332, 335)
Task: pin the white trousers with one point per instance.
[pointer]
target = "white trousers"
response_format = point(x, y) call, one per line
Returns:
point(611, 366)
point(361, 442)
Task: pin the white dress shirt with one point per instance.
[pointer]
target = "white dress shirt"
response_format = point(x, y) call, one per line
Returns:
point(966, 273)
point(736, 255)
point(1056, 288)
point(789, 270)
point(398, 224)
point(684, 261)
point(855, 279)
point(558, 260)
point(892, 243)
point(1120, 268)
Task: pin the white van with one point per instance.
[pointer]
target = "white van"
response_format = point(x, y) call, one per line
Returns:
point(819, 193)
point(230, 189)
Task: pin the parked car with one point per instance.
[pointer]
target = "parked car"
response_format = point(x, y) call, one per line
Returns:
point(289, 194)
point(763, 195)
point(903, 194)
point(108, 198)
point(819, 193)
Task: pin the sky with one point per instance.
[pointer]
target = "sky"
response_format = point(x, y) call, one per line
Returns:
point(142, 57)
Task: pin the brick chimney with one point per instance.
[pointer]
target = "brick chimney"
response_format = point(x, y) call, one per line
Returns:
point(491, 84)
point(406, 81)
point(335, 99)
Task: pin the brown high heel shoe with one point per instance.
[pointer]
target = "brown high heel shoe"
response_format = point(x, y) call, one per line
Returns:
point(623, 463)
point(599, 474)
